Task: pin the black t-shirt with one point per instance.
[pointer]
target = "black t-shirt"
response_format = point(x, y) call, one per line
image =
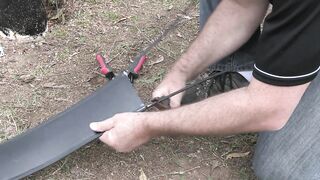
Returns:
point(288, 52)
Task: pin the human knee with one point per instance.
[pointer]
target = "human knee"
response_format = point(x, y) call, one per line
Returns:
point(270, 167)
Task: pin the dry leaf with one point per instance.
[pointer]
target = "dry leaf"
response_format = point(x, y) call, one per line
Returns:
point(54, 86)
point(237, 155)
point(47, 85)
point(142, 175)
point(27, 78)
point(159, 60)
point(123, 19)
point(185, 17)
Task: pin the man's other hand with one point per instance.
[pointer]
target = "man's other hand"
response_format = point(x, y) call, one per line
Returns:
point(123, 132)
point(170, 84)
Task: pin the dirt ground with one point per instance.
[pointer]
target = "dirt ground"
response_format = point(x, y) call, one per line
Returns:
point(43, 77)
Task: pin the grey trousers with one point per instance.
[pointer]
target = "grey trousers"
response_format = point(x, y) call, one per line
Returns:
point(293, 152)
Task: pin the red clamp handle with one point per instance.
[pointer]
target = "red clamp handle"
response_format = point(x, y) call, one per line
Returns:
point(136, 67)
point(140, 64)
point(105, 69)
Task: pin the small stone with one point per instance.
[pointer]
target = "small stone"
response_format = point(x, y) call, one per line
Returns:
point(1, 51)
point(27, 78)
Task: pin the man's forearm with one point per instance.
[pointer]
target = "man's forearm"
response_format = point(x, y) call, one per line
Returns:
point(259, 107)
point(230, 26)
point(224, 114)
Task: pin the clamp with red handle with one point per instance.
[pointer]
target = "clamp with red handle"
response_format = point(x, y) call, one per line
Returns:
point(136, 66)
point(105, 69)
point(132, 73)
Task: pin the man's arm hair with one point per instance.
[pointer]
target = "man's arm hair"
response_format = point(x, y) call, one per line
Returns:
point(259, 107)
point(230, 26)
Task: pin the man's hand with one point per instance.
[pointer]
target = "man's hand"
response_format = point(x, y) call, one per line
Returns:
point(174, 81)
point(230, 26)
point(123, 132)
point(168, 86)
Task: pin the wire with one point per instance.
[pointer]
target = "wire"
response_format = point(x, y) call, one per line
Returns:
point(163, 98)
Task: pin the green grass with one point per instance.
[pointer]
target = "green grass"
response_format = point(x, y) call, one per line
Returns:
point(60, 33)
point(111, 16)
point(8, 116)
point(155, 78)
point(63, 55)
